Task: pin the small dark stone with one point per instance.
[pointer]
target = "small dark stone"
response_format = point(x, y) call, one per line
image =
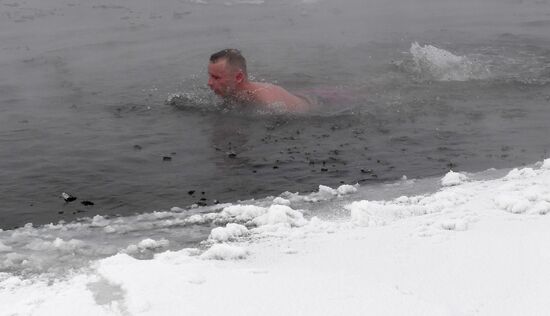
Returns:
point(67, 197)
point(60, 212)
point(231, 155)
point(202, 203)
point(173, 153)
point(203, 193)
point(366, 171)
point(324, 169)
point(138, 147)
point(451, 165)
point(216, 202)
point(254, 171)
point(166, 158)
point(87, 203)
point(203, 199)
point(275, 167)
point(191, 192)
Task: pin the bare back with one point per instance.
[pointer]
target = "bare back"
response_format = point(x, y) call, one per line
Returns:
point(270, 94)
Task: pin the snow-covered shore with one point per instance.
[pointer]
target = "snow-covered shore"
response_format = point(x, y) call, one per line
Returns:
point(474, 247)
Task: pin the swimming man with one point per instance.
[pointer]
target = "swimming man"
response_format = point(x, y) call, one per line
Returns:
point(228, 78)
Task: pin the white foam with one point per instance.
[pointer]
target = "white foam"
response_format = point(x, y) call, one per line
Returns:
point(441, 65)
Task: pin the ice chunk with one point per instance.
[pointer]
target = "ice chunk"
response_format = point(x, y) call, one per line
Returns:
point(229, 232)
point(453, 178)
point(280, 200)
point(4, 247)
point(149, 243)
point(225, 252)
point(242, 213)
point(520, 173)
point(326, 192)
point(195, 219)
point(541, 208)
point(512, 204)
point(277, 214)
point(346, 189)
point(99, 221)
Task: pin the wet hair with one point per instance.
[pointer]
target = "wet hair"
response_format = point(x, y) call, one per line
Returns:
point(233, 57)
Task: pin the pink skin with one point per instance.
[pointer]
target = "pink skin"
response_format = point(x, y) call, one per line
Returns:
point(232, 83)
point(223, 79)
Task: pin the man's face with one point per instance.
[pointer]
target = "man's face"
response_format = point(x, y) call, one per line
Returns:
point(222, 79)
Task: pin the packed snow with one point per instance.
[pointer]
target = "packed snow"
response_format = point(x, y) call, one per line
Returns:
point(474, 246)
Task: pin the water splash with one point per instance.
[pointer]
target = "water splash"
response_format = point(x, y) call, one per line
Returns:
point(191, 100)
point(432, 63)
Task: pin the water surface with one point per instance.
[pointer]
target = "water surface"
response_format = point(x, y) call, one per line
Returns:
point(84, 87)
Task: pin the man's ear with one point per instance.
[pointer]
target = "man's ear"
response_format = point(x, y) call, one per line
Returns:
point(239, 76)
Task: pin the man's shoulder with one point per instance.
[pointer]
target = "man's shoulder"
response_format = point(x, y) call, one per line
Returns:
point(269, 91)
point(268, 94)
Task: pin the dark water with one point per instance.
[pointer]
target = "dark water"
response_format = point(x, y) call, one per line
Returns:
point(84, 84)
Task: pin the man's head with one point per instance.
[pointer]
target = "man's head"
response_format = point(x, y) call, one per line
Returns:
point(226, 71)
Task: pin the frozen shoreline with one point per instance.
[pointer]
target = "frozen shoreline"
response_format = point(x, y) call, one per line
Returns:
point(471, 248)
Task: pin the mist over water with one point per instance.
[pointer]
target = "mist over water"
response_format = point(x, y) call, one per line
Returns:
point(107, 100)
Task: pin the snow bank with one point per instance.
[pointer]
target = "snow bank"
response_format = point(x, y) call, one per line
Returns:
point(444, 253)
